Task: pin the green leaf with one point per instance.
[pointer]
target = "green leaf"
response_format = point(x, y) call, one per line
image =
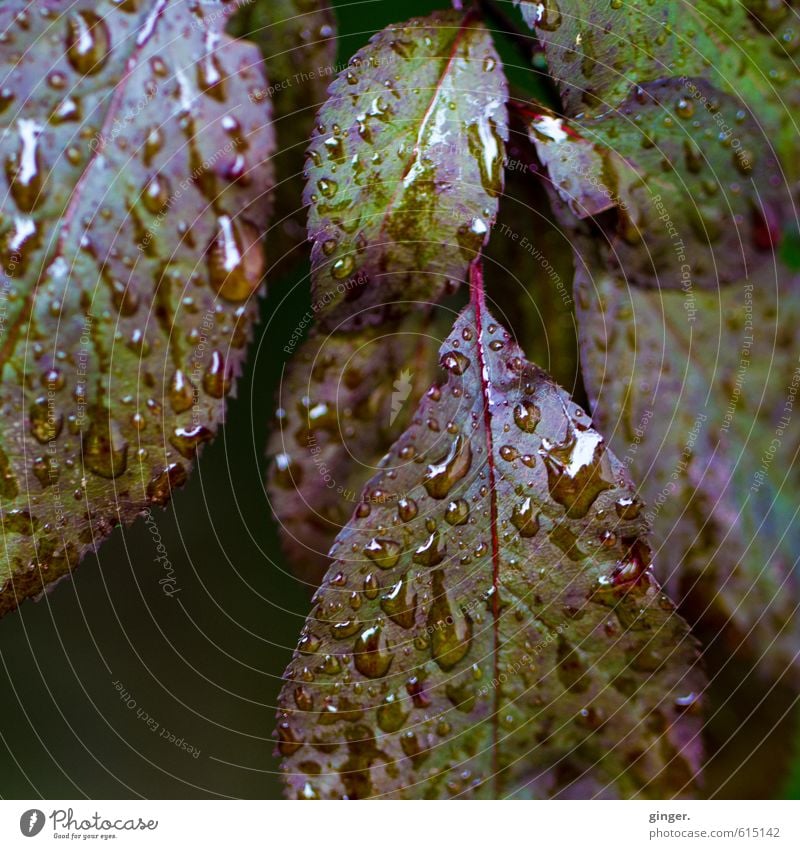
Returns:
point(490, 626)
point(131, 262)
point(700, 390)
point(405, 167)
point(695, 208)
point(344, 399)
point(693, 212)
point(298, 42)
point(598, 51)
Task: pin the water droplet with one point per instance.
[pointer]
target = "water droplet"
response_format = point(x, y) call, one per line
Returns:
point(546, 15)
point(449, 626)
point(156, 194)
point(406, 509)
point(628, 508)
point(335, 148)
point(383, 552)
point(68, 109)
point(19, 243)
point(88, 42)
point(287, 472)
point(235, 260)
point(343, 630)
point(210, 76)
point(574, 471)
point(327, 188)
point(188, 439)
point(371, 586)
point(24, 169)
point(216, 380)
point(486, 146)
point(442, 476)
point(181, 392)
point(457, 512)
point(508, 453)
point(45, 422)
point(105, 450)
point(400, 605)
point(431, 552)
point(455, 362)
point(303, 698)
point(527, 416)
point(391, 714)
point(288, 743)
point(371, 653)
point(153, 143)
point(525, 518)
point(343, 267)
point(159, 488)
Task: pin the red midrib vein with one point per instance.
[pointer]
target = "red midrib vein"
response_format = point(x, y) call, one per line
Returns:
point(478, 301)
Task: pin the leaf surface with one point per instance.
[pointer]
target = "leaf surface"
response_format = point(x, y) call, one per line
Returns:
point(599, 52)
point(405, 167)
point(699, 396)
point(131, 258)
point(491, 626)
point(694, 207)
point(344, 399)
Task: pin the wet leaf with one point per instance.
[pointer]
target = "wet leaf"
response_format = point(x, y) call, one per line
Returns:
point(696, 209)
point(344, 399)
point(692, 208)
point(131, 259)
point(492, 627)
point(405, 167)
point(298, 42)
point(699, 391)
point(599, 51)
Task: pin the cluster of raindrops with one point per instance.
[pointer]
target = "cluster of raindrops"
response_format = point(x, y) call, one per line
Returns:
point(395, 655)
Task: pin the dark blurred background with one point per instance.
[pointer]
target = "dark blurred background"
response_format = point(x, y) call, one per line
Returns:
point(110, 687)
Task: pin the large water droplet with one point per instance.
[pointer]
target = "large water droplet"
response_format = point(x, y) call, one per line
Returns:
point(159, 488)
point(88, 42)
point(24, 169)
point(525, 518)
point(431, 552)
point(188, 439)
point(457, 512)
point(441, 477)
point(575, 471)
point(450, 627)
point(391, 714)
point(527, 416)
point(383, 552)
point(400, 605)
point(235, 260)
point(371, 653)
point(105, 450)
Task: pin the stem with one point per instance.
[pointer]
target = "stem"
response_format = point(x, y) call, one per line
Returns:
point(529, 45)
